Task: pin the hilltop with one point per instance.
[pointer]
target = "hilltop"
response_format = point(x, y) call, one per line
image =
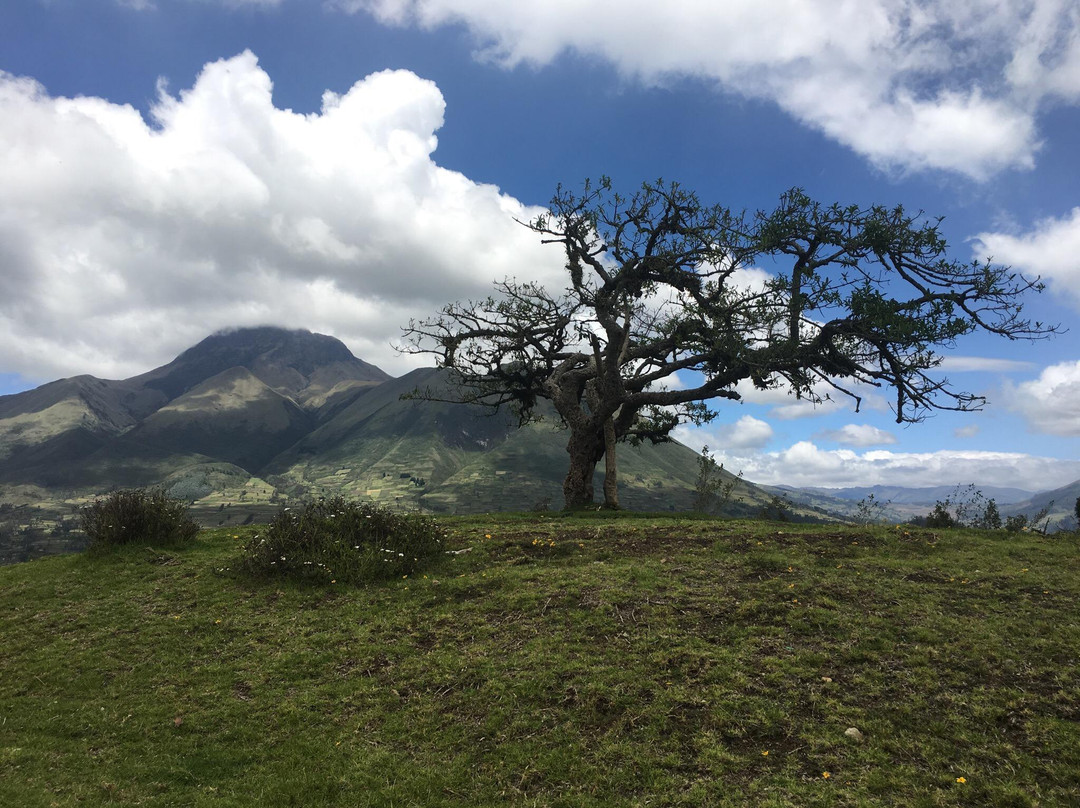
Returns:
point(572, 661)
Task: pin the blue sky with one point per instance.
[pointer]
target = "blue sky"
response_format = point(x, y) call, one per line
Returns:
point(171, 168)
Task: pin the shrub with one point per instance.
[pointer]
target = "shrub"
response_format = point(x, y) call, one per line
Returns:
point(940, 517)
point(1016, 523)
point(966, 507)
point(136, 517)
point(336, 541)
point(712, 491)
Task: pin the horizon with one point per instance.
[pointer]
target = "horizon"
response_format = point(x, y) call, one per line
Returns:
point(173, 169)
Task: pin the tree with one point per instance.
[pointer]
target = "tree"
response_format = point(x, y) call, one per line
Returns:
point(656, 284)
point(711, 490)
point(990, 518)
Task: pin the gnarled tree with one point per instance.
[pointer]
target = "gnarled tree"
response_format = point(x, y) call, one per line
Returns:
point(657, 285)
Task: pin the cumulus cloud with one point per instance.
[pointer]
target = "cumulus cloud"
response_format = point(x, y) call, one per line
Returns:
point(805, 464)
point(859, 435)
point(908, 84)
point(746, 433)
point(1049, 249)
point(784, 406)
point(1051, 402)
point(125, 240)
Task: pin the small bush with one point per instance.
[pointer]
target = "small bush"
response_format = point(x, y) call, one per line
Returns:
point(137, 517)
point(336, 541)
point(940, 517)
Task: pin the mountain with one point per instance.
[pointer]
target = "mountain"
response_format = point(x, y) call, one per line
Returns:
point(445, 457)
point(250, 416)
point(900, 495)
point(233, 416)
point(240, 396)
point(891, 503)
point(303, 366)
point(1059, 504)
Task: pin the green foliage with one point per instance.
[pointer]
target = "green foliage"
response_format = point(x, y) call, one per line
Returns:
point(969, 507)
point(137, 516)
point(870, 509)
point(1016, 523)
point(337, 541)
point(940, 517)
point(711, 490)
point(1038, 522)
point(778, 509)
point(990, 518)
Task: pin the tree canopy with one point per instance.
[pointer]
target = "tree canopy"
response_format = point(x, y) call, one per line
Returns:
point(843, 298)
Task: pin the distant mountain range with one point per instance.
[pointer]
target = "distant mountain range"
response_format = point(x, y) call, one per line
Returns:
point(251, 417)
point(899, 495)
point(899, 504)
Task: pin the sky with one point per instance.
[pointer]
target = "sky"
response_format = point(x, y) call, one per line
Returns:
point(170, 168)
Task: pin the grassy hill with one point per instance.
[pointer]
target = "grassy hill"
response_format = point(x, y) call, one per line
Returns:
point(563, 661)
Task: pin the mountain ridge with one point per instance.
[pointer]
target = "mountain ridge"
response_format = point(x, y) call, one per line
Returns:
point(248, 418)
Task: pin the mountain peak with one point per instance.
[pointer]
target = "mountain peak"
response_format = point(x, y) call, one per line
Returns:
point(289, 361)
point(299, 349)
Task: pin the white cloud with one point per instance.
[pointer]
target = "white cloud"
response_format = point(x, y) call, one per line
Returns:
point(1050, 249)
point(909, 84)
point(124, 241)
point(984, 364)
point(969, 431)
point(786, 407)
point(746, 433)
point(805, 464)
point(859, 435)
point(1051, 402)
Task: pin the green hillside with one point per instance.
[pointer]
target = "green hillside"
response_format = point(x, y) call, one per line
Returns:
point(562, 661)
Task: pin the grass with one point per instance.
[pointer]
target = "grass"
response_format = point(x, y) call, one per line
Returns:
point(557, 662)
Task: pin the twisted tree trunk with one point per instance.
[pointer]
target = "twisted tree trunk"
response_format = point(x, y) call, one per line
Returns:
point(611, 475)
point(585, 449)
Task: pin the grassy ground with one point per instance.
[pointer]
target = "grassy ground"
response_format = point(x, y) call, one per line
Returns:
point(558, 662)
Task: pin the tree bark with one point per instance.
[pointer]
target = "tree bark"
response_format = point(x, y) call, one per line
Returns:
point(585, 450)
point(611, 475)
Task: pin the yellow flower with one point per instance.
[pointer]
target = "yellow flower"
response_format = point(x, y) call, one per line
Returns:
point(487, 535)
point(961, 780)
point(826, 775)
point(765, 753)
